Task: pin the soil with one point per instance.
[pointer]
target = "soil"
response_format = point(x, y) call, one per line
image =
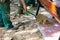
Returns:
point(29, 31)
point(43, 20)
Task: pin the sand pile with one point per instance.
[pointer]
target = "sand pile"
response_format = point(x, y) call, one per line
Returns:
point(43, 20)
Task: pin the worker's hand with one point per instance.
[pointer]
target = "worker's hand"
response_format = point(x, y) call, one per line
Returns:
point(25, 7)
point(2, 0)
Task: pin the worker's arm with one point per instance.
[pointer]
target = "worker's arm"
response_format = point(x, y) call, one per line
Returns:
point(2, 0)
point(24, 4)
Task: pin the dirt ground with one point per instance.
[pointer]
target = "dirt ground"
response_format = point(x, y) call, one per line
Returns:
point(28, 31)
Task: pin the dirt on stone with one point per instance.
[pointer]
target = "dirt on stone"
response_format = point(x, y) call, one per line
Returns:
point(2, 32)
point(28, 35)
point(43, 20)
point(25, 32)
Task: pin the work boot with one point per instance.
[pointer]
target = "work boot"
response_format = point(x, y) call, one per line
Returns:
point(58, 11)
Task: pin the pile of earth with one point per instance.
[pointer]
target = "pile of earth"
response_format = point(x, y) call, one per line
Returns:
point(43, 20)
